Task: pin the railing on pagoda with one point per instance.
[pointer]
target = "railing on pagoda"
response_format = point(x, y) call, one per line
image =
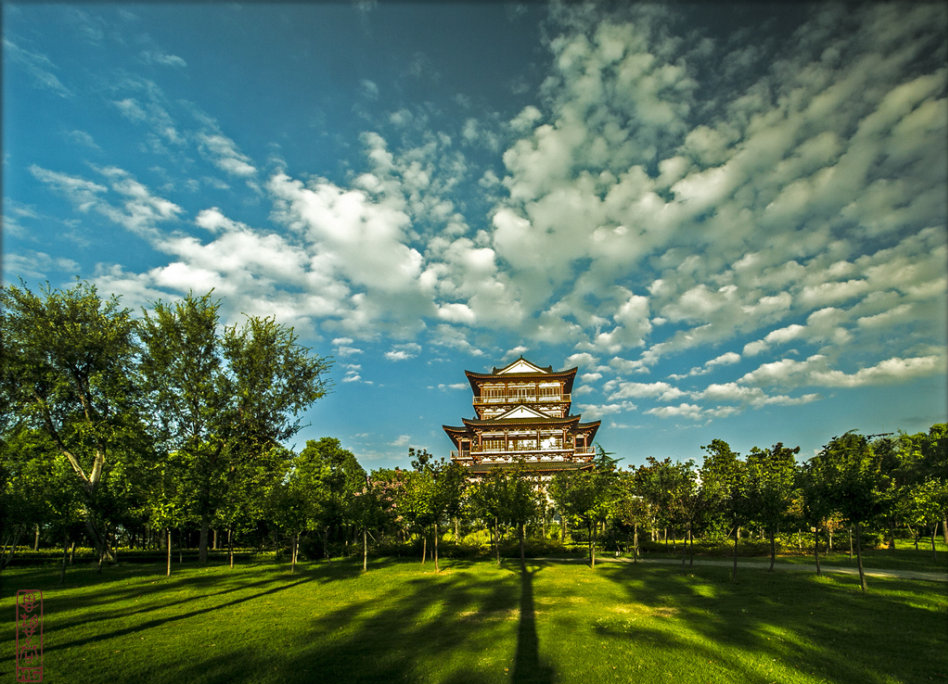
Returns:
point(529, 455)
point(522, 398)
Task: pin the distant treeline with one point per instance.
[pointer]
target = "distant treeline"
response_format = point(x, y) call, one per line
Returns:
point(124, 431)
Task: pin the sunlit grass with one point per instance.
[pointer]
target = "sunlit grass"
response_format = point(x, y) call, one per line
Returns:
point(475, 622)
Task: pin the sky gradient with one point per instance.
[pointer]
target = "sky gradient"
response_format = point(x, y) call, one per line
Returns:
point(731, 219)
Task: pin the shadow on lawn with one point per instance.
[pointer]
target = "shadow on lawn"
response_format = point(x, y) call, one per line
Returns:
point(825, 629)
point(458, 627)
point(528, 667)
point(121, 583)
point(141, 626)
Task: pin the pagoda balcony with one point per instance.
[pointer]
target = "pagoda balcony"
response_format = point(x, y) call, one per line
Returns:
point(523, 398)
point(503, 456)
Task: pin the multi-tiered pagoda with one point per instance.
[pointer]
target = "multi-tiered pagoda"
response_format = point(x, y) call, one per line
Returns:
point(523, 416)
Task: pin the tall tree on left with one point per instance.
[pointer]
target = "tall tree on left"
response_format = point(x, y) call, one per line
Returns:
point(224, 398)
point(69, 369)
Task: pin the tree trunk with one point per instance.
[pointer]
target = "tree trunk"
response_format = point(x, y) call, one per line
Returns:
point(737, 534)
point(295, 542)
point(98, 540)
point(214, 540)
point(829, 535)
point(850, 543)
point(934, 530)
point(773, 550)
point(457, 529)
point(592, 546)
point(816, 549)
point(635, 543)
point(230, 547)
point(424, 547)
point(437, 569)
point(202, 542)
point(365, 550)
point(691, 547)
point(944, 529)
point(10, 550)
point(72, 551)
point(523, 560)
point(168, 544)
point(62, 570)
point(497, 540)
point(862, 575)
point(36, 537)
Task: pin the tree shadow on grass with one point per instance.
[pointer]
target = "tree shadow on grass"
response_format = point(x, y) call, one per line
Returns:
point(456, 627)
point(826, 629)
point(172, 618)
point(117, 585)
point(528, 666)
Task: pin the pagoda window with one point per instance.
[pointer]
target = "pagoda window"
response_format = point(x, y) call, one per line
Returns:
point(551, 442)
point(493, 393)
point(549, 390)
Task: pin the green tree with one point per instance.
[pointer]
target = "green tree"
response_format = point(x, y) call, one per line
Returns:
point(655, 483)
point(771, 480)
point(587, 495)
point(854, 481)
point(924, 505)
point(225, 401)
point(70, 370)
point(372, 508)
point(631, 507)
point(488, 502)
point(686, 502)
point(724, 488)
point(520, 504)
point(328, 475)
point(815, 502)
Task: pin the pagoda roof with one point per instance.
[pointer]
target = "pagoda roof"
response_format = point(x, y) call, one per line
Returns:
point(454, 430)
point(505, 373)
point(502, 422)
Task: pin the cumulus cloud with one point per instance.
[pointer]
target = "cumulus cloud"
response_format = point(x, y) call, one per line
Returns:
point(223, 152)
point(784, 209)
point(402, 352)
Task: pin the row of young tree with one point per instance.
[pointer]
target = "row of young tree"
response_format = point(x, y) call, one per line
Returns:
point(110, 421)
point(118, 429)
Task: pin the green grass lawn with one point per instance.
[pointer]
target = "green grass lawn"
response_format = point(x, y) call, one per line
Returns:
point(475, 622)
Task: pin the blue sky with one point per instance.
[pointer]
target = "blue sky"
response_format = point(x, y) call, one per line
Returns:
point(731, 219)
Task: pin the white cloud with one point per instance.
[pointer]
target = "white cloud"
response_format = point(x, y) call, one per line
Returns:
point(136, 208)
point(223, 152)
point(401, 441)
point(815, 371)
point(658, 390)
point(38, 66)
point(163, 59)
point(403, 352)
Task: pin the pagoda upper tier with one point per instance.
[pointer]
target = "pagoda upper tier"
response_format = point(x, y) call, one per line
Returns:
point(523, 416)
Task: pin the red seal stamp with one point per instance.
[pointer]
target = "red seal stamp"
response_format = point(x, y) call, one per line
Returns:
point(29, 635)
